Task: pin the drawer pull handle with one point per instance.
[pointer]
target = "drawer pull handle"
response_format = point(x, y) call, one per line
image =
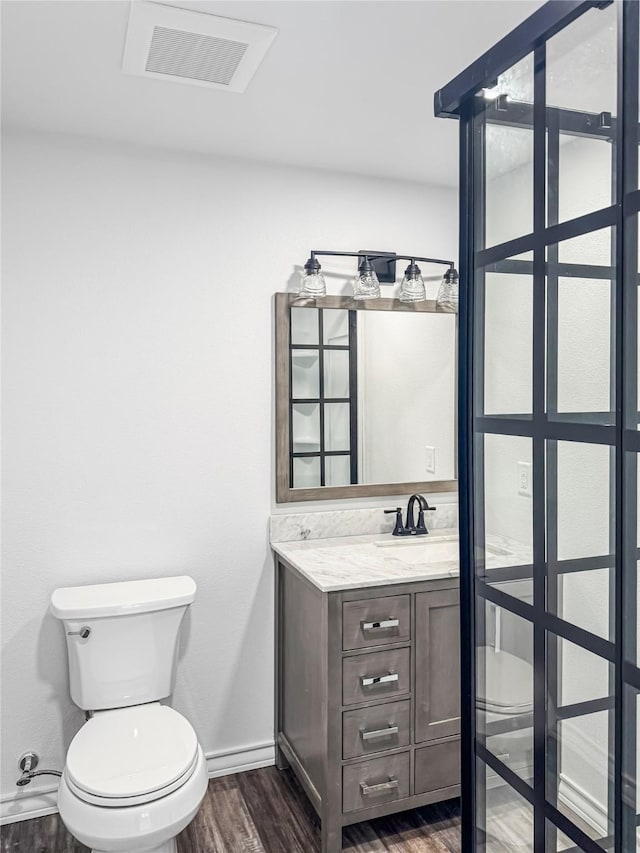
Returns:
point(381, 625)
point(388, 732)
point(381, 788)
point(372, 680)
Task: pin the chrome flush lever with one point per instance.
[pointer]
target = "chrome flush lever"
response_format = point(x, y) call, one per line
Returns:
point(83, 632)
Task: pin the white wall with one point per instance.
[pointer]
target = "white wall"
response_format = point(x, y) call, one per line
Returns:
point(138, 423)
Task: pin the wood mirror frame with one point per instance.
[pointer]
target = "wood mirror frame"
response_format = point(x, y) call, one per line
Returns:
point(284, 492)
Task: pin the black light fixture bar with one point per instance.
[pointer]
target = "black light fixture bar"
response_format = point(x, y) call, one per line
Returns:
point(375, 255)
point(384, 263)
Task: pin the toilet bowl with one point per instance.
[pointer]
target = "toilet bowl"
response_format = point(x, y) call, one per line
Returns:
point(135, 774)
point(504, 705)
point(134, 778)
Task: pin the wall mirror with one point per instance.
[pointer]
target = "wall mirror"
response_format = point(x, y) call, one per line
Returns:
point(365, 398)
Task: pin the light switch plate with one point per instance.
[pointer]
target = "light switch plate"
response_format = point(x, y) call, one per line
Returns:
point(430, 459)
point(524, 479)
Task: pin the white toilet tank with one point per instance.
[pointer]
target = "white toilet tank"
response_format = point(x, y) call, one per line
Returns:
point(122, 639)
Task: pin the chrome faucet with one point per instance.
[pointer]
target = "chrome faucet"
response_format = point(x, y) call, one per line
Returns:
point(411, 528)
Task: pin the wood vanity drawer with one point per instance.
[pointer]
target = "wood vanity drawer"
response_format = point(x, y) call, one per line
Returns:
point(377, 675)
point(437, 766)
point(376, 622)
point(369, 783)
point(376, 728)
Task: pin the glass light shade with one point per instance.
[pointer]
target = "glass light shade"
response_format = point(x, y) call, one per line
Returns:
point(448, 293)
point(312, 284)
point(366, 285)
point(412, 287)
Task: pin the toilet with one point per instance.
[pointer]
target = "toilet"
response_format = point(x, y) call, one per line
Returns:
point(135, 774)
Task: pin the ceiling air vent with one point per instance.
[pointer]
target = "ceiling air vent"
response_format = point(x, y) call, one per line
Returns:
point(192, 47)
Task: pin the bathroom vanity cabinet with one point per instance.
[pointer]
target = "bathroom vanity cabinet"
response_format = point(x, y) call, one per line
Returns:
point(367, 695)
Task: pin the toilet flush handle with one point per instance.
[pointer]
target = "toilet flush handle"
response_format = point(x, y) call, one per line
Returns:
point(83, 632)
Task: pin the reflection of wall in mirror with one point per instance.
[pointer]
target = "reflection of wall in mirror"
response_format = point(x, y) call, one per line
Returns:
point(406, 391)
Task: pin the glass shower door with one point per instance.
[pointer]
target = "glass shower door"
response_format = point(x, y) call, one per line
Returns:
point(550, 441)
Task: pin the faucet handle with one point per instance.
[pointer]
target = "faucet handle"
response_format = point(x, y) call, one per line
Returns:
point(421, 526)
point(398, 530)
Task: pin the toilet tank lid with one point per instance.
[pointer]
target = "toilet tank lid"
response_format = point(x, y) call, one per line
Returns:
point(122, 599)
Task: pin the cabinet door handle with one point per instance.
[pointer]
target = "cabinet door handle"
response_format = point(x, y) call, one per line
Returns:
point(381, 788)
point(390, 730)
point(382, 624)
point(370, 680)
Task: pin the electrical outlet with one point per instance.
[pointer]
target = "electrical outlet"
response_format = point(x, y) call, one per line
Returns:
point(524, 479)
point(430, 459)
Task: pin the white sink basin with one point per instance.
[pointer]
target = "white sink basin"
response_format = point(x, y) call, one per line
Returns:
point(416, 550)
point(422, 549)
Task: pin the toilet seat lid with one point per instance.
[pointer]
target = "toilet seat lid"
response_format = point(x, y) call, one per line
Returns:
point(130, 752)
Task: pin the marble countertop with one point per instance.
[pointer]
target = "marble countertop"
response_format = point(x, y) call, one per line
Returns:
point(353, 562)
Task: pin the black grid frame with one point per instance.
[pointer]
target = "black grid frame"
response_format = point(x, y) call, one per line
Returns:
point(616, 428)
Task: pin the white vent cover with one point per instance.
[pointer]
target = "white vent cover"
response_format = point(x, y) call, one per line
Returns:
point(192, 47)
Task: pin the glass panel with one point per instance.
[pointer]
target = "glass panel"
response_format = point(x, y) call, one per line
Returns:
point(579, 747)
point(504, 659)
point(630, 764)
point(508, 528)
point(335, 326)
point(509, 155)
point(579, 333)
point(580, 534)
point(581, 675)
point(584, 347)
point(584, 600)
point(631, 628)
point(507, 818)
point(336, 373)
point(336, 426)
point(578, 155)
point(582, 784)
point(337, 470)
point(306, 427)
point(508, 338)
point(557, 840)
point(581, 87)
point(304, 326)
point(306, 472)
point(305, 376)
point(584, 505)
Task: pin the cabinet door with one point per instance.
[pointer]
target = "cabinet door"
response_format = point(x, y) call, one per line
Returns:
point(437, 664)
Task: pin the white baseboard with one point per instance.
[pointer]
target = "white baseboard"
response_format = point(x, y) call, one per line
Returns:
point(240, 759)
point(583, 804)
point(25, 805)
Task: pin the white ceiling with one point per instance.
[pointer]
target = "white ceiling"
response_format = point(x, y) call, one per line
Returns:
point(346, 85)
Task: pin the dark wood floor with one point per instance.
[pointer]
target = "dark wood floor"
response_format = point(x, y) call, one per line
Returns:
point(265, 811)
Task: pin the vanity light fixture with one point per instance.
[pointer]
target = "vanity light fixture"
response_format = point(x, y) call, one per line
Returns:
point(412, 287)
point(448, 294)
point(366, 284)
point(312, 281)
point(376, 268)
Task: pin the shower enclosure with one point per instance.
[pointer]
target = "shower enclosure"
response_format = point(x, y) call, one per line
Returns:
point(549, 431)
